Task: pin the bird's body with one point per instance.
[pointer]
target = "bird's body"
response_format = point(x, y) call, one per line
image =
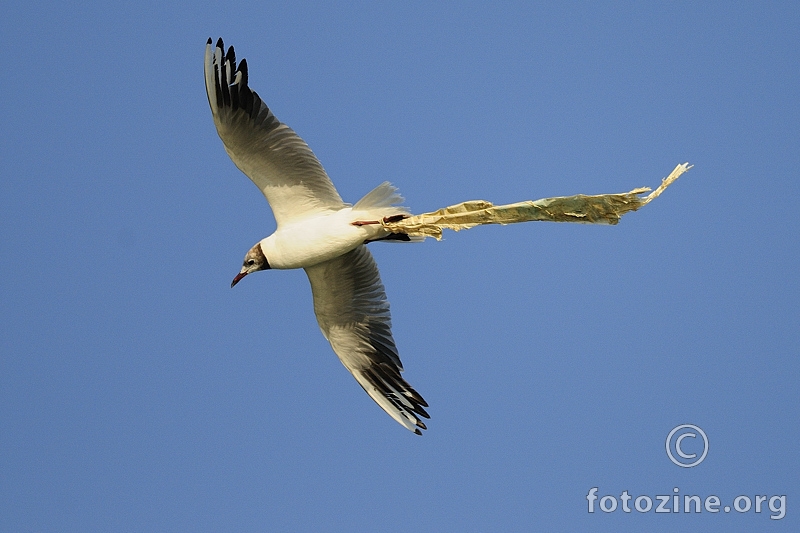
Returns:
point(318, 232)
point(307, 242)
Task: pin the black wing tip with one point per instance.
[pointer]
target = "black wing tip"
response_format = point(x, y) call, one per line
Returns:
point(230, 55)
point(237, 95)
point(381, 375)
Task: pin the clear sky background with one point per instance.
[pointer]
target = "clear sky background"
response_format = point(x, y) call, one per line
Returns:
point(138, 392)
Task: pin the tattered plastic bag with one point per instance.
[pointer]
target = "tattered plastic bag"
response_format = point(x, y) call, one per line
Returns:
point(586, 209)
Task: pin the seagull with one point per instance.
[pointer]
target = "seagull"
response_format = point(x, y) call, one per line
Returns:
point(318, 232)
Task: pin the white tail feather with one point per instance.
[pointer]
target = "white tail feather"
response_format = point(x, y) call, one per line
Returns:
point(384, 195)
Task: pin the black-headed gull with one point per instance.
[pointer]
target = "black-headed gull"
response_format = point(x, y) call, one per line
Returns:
point(318, 232)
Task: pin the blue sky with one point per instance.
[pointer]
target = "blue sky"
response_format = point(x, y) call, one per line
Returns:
point(138, 392)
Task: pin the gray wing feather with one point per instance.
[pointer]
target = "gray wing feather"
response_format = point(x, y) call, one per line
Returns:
point(353, 314)
point(270, 153)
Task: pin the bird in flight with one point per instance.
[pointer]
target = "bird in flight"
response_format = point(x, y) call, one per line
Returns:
point(318, 232)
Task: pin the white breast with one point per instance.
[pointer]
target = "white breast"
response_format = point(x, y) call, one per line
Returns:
point(316, 239)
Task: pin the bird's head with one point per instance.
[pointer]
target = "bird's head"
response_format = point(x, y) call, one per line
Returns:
point(254, 261)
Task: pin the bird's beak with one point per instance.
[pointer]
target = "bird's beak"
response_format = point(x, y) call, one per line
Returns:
point(239, 277)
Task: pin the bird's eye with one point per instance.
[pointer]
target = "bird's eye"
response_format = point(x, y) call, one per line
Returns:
point(250, 262)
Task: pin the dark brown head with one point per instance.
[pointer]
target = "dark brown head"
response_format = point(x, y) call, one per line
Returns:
point(254, 261)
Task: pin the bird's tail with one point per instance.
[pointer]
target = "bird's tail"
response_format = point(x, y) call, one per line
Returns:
point(382, 196)
point(381, 204)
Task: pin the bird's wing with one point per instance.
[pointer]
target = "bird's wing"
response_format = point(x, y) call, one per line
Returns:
point(270, 153)
point(353, 313)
